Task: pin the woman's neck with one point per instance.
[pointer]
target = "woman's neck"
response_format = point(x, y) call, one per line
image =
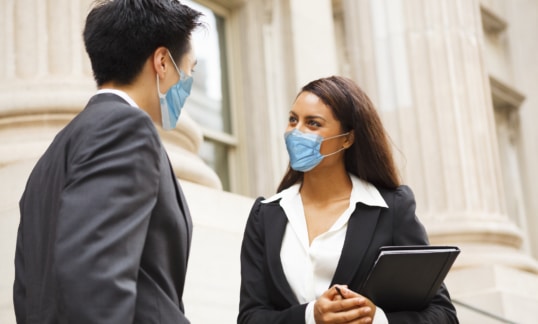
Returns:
point(326, 185)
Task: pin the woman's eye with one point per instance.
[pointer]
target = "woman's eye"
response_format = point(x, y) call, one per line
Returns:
point(292, 120)
point(314, 123)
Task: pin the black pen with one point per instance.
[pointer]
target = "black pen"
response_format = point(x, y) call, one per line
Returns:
point(339, 292)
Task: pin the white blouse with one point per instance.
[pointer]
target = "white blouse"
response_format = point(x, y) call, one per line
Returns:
point(309, 269)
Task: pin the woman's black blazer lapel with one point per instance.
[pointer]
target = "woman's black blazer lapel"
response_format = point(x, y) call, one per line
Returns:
point(275, 227)
point(360, 230)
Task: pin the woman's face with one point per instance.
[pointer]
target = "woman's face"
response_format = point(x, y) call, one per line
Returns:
point(310, 115)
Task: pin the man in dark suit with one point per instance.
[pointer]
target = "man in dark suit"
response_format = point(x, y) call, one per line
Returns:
point(105, 232)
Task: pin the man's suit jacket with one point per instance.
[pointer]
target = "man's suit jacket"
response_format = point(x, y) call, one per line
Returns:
point(266, 296)
point(105, 232)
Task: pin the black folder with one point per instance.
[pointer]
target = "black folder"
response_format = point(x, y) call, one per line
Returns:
point(407, 277)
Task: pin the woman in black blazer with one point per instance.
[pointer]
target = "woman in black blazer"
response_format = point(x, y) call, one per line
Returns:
point(339, 202)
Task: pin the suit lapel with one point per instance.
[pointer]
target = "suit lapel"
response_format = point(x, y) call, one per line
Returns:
point(181, 202)
point(274, 233)
point(361, 227)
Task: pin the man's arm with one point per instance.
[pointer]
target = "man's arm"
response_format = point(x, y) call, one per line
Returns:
point(104, 214)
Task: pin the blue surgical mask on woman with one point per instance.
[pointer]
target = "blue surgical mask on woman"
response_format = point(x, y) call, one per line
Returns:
point(172, 102)
point(304, 149)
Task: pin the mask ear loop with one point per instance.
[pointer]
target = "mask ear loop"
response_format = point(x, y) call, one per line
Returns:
point(343, 148)
point(159, 86)
point(335, 136)
point(177, 69)
point(175, 65)
point(333, 153)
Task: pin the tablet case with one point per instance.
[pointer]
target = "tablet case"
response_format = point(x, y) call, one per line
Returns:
point(407, 277)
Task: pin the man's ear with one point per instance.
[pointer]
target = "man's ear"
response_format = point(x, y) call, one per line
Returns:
point(160, 64)
point(349, 139)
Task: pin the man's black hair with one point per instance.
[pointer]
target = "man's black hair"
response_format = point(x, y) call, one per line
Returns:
point(120, 35)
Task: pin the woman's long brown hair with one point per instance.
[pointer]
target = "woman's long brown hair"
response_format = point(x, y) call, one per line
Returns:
point(370, 156)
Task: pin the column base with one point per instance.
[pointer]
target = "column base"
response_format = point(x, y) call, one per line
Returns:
point(499, 290)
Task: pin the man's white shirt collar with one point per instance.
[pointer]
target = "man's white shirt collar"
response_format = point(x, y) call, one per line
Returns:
point(120, 93)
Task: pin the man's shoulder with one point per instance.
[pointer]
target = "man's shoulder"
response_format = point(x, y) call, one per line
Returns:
point(108, 111)
point(105, 115)
point(108, 104)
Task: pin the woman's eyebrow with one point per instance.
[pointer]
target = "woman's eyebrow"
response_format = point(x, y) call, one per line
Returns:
point(308, 116)
point(315, 117)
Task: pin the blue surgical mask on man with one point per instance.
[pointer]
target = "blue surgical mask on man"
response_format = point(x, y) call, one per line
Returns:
point(304, 149)
point(172, 102)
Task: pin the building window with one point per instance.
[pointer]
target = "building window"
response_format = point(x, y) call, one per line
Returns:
point(209, 104)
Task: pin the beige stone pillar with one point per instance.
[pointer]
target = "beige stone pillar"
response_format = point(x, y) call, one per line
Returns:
point(431, 86)
point(45, 75)
point(313, 44)
point(422, 61)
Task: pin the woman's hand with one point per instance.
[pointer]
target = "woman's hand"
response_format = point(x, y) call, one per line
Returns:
point(331, 308)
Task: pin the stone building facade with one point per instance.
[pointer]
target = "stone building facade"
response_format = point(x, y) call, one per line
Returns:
point(456, 82)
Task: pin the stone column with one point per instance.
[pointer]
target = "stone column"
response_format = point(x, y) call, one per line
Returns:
point(431, 86)
point(423, 64)
point(45, 76)
point(313, 42)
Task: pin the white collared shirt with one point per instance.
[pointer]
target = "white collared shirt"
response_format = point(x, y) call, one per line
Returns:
point(120, 93)
point(309, 268)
